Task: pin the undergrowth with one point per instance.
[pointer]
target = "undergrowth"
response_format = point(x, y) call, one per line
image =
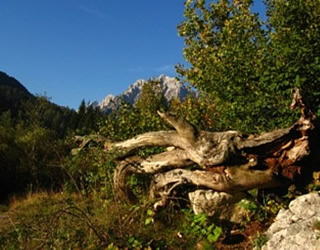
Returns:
point(64, 221)
point(86, 216)
point(75, 221)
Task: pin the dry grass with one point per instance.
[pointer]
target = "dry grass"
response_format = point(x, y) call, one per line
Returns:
point(46, 220)
point(62, 220)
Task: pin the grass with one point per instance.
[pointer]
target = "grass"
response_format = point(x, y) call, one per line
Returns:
point(259, 240)
point(63, 221)
point(73, 221)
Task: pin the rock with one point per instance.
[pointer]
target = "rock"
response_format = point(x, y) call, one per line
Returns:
point(220, 205)
point(297, 227)
point(171, 88)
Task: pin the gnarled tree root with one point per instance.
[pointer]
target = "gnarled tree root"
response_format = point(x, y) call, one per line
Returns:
point(228, 162)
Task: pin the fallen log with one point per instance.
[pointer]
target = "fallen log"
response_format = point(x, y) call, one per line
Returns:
point(228, 162)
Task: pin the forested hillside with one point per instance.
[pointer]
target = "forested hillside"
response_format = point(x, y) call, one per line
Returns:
point(244, 70)
point(12, 93)
point(34, 136)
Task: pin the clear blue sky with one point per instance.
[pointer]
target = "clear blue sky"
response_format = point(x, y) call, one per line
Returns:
point(86, 49)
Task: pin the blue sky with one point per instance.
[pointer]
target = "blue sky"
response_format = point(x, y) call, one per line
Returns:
point(86, 49)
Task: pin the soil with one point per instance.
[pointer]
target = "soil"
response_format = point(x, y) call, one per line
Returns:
point(242, 238)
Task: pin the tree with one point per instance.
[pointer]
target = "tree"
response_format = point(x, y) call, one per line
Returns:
point(87, 119)
point(150, 101)
point(9, 156)
point(294, 30)
point(31, 152)
point(226, 46)
point(151, 98)
point(130, 120)
point(197, 110)
point(248, 70)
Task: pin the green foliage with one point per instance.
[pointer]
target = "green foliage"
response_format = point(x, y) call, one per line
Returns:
point(9, 159)
point(244, 70)
point(71, 221)
point(87, 119)
point(34, 144)
point(151, 98)
point(247, 69)
point(30, 155)
point(261, 212)
point(315, 184)
point(199, 226)
point(294, 36)
point(256, 210)
point(199, 111)
point(259, 240)
point(90, 172)
point(225, 46)
point(149, 219)
point(12, 94)
point(273, 206)
point(39, 111)
point(268, 206)
point(130, 120)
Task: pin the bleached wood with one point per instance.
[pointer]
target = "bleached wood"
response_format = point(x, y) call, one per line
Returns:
point(227, 161)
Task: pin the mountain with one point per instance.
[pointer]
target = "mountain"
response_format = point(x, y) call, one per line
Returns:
point(12, 93)
point(8, 81)
point(15, 97)
point(171, 88)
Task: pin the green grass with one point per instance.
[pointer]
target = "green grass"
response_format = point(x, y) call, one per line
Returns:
point(65, 221)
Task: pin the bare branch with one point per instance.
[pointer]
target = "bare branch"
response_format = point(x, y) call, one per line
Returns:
point(159, 138)
point(184, 129)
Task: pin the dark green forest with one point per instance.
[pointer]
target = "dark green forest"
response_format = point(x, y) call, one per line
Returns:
point(244, 70)
point(34, 137)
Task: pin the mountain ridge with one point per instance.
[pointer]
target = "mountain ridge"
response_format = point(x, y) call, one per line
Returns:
point(9, 81)
point(171, 88)
point(12, 93)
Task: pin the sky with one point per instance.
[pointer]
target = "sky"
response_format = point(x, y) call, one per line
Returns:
point(70, 50)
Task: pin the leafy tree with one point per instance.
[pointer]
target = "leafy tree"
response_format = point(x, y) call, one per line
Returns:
point(151, 98)
point(31, 154)
point(236, 60)
point(150, 101)
point(199, 111)
point(225, 46)
point(120, 124)
point(295, 35)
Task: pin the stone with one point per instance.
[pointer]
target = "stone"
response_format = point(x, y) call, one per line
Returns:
point(220, 205)
point(297, 227)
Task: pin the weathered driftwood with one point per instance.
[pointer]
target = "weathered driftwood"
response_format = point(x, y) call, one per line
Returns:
point(228, 161)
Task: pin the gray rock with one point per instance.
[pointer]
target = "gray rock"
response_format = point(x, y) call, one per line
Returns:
point(298, 226)
point(171, 88)
point(220, 205)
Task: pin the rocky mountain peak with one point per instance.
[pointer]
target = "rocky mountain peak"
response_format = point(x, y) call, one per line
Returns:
point(171, 88)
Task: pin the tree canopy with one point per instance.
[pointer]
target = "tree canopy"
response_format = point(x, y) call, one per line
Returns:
point(249, 66)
